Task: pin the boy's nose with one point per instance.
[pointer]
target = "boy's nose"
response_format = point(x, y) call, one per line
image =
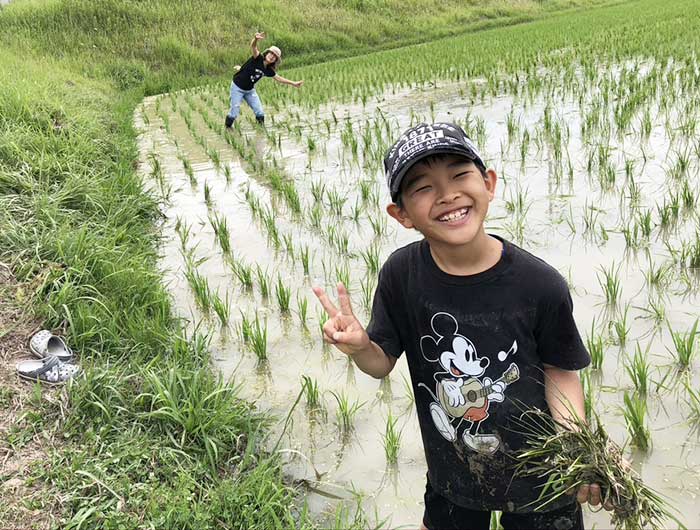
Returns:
point(448, 196)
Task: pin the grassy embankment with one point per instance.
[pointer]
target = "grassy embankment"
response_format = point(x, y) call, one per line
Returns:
point(150, 437)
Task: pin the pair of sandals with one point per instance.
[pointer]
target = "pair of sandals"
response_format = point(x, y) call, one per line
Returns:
point(53, 366)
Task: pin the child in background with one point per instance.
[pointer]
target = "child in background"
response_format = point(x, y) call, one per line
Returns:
point(487, 329)
point(243, 83)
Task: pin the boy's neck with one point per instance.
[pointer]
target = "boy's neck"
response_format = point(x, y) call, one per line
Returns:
point(479, 255)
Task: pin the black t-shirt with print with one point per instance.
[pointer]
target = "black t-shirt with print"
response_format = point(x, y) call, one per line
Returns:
point(475, 348)
point(251, 72)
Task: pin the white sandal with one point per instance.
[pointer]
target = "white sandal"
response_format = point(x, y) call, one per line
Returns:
point(48, 370)
point(45, 344)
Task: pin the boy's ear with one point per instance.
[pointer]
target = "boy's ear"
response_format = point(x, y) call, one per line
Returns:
point(490, 180)
point(399, 214)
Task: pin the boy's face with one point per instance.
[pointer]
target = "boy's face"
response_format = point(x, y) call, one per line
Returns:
point(445, 200)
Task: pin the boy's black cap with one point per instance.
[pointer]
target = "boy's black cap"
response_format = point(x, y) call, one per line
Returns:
point(425, 140)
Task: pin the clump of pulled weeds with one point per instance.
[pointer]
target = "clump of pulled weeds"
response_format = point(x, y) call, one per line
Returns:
point(581, 453)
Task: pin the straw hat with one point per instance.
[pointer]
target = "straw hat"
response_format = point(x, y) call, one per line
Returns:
point(276, 51)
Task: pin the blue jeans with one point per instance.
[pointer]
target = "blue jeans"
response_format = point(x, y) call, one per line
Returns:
point(251, 98)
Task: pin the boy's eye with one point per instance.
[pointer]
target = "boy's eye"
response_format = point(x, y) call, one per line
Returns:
point(461, 175)
point(421, 189)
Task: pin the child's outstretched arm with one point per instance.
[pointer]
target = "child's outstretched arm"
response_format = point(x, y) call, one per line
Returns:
point(280, 79)
point(260, 35)
point(564, 395)
point(346, 333)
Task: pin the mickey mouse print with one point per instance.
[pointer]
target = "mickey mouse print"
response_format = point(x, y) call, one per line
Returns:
point(462, 394)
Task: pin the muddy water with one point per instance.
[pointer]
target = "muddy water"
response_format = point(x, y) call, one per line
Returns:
point(553, 227)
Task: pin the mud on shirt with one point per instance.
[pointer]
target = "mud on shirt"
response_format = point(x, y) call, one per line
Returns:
point(251, 72)
point(475, 347)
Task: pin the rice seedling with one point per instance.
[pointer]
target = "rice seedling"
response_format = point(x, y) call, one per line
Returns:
point(321, 318)
point(594, 343)
point(346, 411)
point(263, 281)
point(221, 232)
point(314, 402)
point(222, 308)
point(620, 327)
point(391, 439)
point(207, 195)
point(638, 369)
point(184, 231)
point(611, 284)
point(316, 215)
point(342, 274)
point(378, 225)
point(634, 412)
point(283, 294)
point(200, 288)
point(371, 258)
point(368, 284)
point(655, 310)
point(336, 201)
point(583, 454)
point(318, 190)
point(258, 338)
point(685, 345)
point(304, 255)
point(693, 402)
point(244, 273)
point(288, 242)
point(302, 310)
point(588, 394)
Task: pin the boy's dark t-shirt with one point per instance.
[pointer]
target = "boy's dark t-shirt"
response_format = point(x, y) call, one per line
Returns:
point(251, 72)
point(461, 335)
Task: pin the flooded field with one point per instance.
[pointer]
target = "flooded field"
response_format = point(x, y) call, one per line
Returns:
point(598, 169)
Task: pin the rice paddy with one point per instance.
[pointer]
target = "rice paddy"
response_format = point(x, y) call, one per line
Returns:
point(592, 132)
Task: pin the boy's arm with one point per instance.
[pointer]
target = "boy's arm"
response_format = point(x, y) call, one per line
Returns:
point(280, 79)
point(564, 395)
point(345, 332)
point(254, 43)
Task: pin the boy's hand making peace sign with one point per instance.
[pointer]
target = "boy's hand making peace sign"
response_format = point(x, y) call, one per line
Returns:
point(342, 328)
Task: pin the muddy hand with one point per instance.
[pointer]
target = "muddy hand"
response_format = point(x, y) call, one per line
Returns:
point(590, 493)
point(342, 328)
point(260, 35)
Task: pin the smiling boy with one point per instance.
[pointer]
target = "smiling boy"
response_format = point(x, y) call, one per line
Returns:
point(487, 329)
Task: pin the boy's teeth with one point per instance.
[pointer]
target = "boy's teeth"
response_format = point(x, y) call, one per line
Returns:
point(457, 214)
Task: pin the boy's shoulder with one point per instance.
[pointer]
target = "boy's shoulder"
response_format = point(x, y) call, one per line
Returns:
point(538, 276)
point(403, 257)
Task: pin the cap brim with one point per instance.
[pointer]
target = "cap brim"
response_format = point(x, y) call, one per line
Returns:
point(446, 150)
